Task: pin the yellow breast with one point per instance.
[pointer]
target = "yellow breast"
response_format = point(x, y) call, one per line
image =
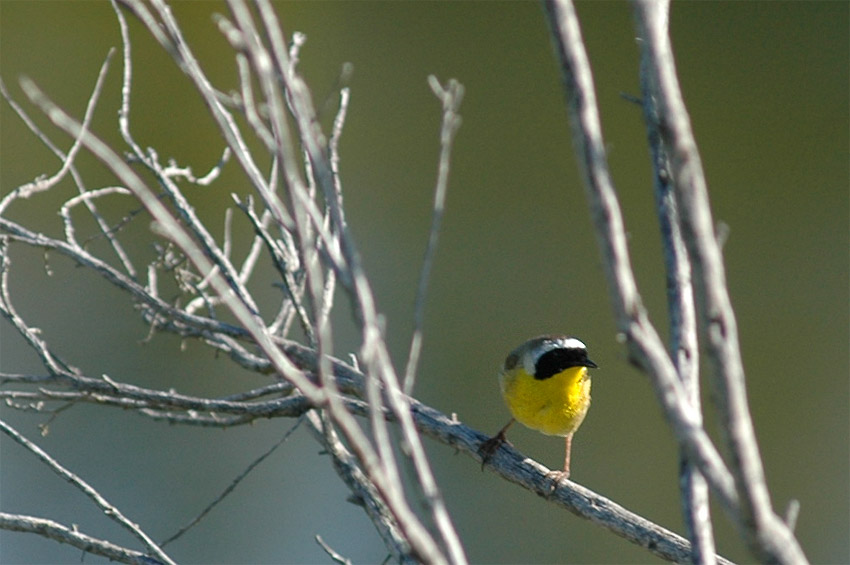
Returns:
point(555, 406)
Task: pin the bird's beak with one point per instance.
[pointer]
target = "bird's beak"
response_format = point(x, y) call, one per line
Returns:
point(590, 364)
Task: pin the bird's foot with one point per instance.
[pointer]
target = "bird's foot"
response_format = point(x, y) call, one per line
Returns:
point(557, 478)
point(489, 447)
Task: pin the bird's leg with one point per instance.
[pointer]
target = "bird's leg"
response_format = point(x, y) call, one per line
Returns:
point(489, 447)
point(559, 476)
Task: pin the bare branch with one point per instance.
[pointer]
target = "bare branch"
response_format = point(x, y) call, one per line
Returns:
point(645, 346)
point(63, 534)
point(108, 509)
point(684, 346)
point(247, 317)
point(767, 535)
point(43, 184)
point(102, 224)
point(450, 97)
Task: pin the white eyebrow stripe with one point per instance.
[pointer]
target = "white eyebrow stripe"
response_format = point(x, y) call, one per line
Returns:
point(567, 343)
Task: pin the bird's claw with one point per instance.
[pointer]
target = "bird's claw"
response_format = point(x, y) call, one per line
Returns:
point(557, 478)
point(489, 447)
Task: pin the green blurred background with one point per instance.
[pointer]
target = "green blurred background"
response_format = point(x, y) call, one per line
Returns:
point(767, 88)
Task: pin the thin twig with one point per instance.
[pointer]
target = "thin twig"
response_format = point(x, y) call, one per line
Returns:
point(168, 34)
point(43, 184)
point(102, 224)
point(450, 97)
point(335, 556)
point(85, 197)
point(233, 484)
point(108, 509)
point(72, 536)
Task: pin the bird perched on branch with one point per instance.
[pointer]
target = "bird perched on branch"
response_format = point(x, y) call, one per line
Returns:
point(546, 386)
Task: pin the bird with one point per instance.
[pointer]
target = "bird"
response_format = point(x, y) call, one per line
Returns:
point(546, 386)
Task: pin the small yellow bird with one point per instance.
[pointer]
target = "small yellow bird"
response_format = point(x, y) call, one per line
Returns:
point(546, 386)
